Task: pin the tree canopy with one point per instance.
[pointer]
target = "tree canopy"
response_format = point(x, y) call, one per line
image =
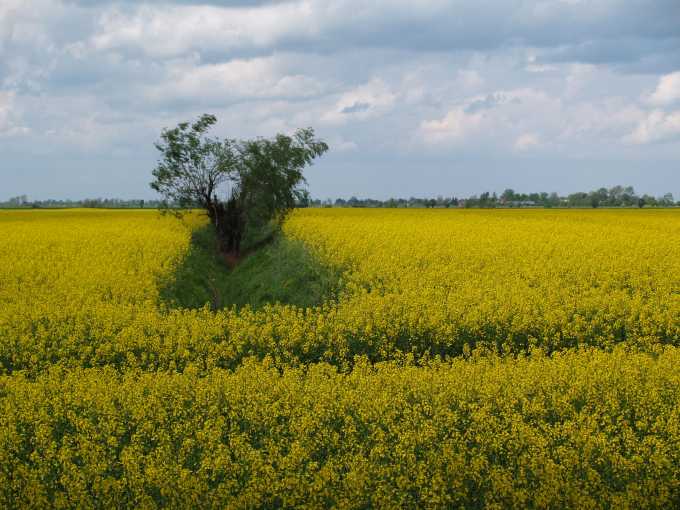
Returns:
point(242, 184)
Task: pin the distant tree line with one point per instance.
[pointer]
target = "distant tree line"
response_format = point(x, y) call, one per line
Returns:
point(617, 196)
point(103, 203)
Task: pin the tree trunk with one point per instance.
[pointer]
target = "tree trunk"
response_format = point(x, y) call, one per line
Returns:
point(229, 223)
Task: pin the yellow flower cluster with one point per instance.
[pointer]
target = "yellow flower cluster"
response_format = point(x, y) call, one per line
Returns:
point(109, 398)
point(81, 288)
point(586, 429)
point(70, 279)
point(438, 279)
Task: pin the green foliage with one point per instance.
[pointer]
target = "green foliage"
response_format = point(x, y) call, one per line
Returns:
point(264, 175)
point(580, 430)
point(271, 173)
point(192, 166)
point(282, 271)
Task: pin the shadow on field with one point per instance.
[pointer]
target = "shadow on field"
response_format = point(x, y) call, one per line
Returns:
point(282, 271)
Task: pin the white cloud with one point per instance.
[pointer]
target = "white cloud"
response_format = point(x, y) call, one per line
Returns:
point(10, 123)
point(167, 29)
point(667, 91)
point(658, 126)
point(533, 67)
point(338, 143)
point(526, 141)
point(524, 119)
point(29, 23)
point(171, 31)
point(598, 124)
point(102, 77)
point(367, 101)
point(455, 125)
point(501, 115)
point(578, 78)
point(540, 68)
point(470, 78)
point(265, 77)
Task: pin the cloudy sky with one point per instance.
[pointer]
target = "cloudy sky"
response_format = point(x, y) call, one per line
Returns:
point(426, 97)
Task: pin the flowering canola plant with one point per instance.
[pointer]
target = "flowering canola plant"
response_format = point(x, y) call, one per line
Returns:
point(438, 279)
point(472, 358)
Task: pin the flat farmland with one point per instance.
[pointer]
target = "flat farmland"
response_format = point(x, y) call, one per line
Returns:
point(476, 358)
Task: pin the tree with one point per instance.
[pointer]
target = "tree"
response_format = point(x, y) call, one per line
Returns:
point(19, 201)
point(304, 200)
point(269, 174)
point(193, 166)
point(242, 184)
point(508, 195)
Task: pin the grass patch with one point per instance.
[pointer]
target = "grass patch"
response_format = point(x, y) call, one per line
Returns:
point(283, 271)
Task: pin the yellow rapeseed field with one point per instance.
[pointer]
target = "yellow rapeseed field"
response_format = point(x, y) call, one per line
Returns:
point(473, 358)
point(438, 279)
